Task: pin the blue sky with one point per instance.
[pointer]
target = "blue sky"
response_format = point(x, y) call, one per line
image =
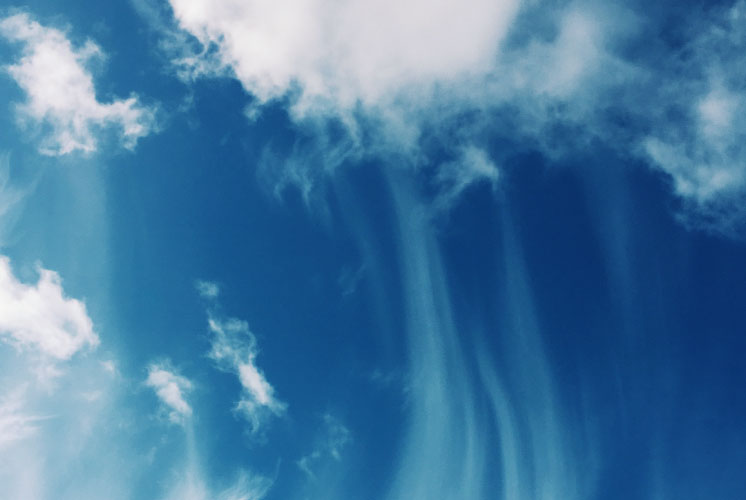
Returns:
point(387, 250)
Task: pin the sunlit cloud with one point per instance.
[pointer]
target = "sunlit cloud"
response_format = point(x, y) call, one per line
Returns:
point(60, 91)
point(40, 317)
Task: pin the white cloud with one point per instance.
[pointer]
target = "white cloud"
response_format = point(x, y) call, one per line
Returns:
point(40, 318)
point(234, 350)
point(60, 91)
point(557, 78)
point(246, 487)
point(399, 81)
point(170, 389)
point(340, 54)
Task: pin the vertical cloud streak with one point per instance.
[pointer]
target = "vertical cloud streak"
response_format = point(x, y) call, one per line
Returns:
point(470, 411)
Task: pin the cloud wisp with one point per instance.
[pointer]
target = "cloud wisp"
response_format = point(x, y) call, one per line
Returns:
point(171, 389)
point(335, 438)
point(15, 423)
point(234, 350)
point(61, 98)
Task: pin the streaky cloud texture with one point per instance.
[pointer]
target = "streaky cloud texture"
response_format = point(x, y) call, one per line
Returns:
point(61, 98)
point(15, 424)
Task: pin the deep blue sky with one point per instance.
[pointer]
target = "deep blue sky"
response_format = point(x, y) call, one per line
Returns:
point(513, 269)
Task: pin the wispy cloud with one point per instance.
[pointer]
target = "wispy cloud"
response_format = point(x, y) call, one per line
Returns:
point(15, 423)
point(234, 349)
point(207, 289)
point(171, 389)
point(472, 166)
point(10, 198)
point(333, 52)
point(334, 438)
point(60, 92)
point(40, 317)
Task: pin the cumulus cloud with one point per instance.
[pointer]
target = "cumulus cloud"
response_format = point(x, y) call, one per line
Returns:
point(417, 89)
point(343, 53)
point(170, 389)
point(40, 318)
point(234, 350)
point(402, 85)
point(61, 96)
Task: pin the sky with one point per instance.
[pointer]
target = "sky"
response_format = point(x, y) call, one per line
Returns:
point(392, 250)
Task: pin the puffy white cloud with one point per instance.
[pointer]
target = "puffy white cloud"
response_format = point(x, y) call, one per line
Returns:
point(340, 54)
point(60, 90)
point(40, 318)
point(170, 389)
point(234, 350)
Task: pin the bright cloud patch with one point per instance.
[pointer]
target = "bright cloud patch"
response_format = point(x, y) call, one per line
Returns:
point(343, 53)
point(61, 97)
point(170, 389)
point(234, 349)
point(40, 318)
point(398, 80)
